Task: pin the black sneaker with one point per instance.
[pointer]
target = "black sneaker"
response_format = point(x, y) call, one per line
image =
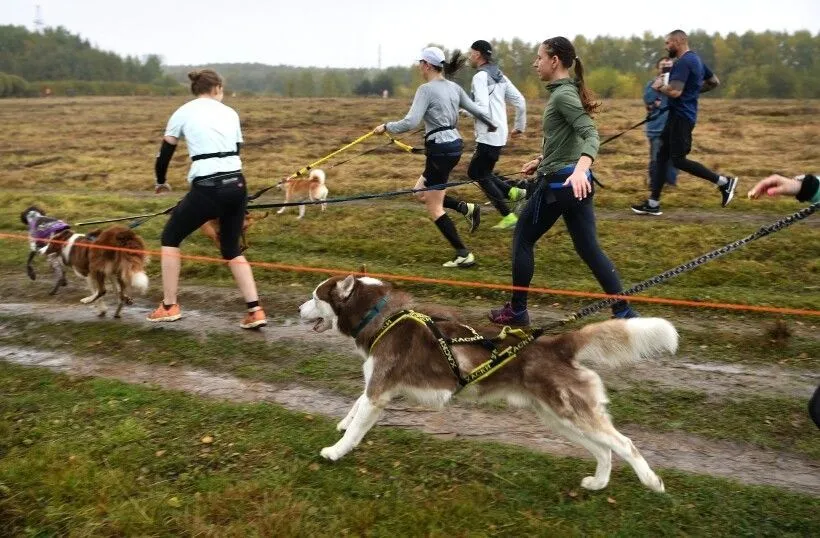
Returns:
point(646, 209)
point(473, 216)
point(727, 192)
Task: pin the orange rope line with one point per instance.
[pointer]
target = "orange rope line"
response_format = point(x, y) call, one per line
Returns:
point(456, 283)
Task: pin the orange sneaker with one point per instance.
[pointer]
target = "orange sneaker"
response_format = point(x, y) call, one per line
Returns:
point(254, 319)
point(163, 314)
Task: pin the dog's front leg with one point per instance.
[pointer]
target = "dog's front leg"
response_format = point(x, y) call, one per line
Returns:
point(301, 212)
point(345, 422)
point(287, 199)
point(367, 413)
point(59, 272)
point(29, 265)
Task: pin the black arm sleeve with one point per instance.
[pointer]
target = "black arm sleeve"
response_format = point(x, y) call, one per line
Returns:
point(166, 151)
point(808, 188)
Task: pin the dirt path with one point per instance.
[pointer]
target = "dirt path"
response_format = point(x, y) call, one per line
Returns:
point(679, 372)
point(670, 450)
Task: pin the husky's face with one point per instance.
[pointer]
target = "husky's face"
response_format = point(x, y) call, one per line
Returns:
point(334, 295)
point(318, 311)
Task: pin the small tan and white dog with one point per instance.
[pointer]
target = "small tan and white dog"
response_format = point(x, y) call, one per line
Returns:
point(312, 187)
point(547, 376)
point(123, 264)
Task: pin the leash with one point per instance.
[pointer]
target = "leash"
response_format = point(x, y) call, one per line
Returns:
point(649, 117)
point(360, 196)
point(765, 230)
point(138, 220)
point(308, 168)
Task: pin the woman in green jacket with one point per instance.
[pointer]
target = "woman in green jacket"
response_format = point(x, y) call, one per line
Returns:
point(564, 187)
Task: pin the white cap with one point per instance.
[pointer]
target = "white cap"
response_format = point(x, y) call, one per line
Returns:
point(433, 56)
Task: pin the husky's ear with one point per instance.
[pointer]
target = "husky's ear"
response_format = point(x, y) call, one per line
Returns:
point(345, 287)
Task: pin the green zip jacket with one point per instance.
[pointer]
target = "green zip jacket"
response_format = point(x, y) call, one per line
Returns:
point(569, 132)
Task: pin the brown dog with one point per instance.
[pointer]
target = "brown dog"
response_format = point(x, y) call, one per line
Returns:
point(123, 268)
point(549, 375)
point(313, 188)
point(211, 229)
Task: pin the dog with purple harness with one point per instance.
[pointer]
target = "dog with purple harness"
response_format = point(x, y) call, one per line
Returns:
point(41, 228)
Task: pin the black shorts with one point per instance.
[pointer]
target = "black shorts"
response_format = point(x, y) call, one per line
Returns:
point(677, 135)
point(441, 159)
point(227, 202)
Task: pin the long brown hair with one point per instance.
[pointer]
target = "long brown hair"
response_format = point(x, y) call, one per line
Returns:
point(563, 48)
point(204, 80)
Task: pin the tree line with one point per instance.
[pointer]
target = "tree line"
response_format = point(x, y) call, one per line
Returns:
point(59, 62)
point(750, 65)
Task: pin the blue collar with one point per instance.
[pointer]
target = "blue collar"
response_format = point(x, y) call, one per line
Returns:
point(372, 313)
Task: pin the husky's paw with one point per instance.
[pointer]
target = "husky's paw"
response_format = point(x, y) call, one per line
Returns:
point(342, 425)
point(592, 483)
point(330, 453)
point(655, 484)
point(127, 300)
point(89, 299)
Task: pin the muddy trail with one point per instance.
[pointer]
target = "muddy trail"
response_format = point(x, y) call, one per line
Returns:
point(210, 310)
point(516, 427)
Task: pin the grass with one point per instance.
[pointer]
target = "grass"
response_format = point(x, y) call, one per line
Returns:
point(92, 457)
point(777, 423)
point(79, 457)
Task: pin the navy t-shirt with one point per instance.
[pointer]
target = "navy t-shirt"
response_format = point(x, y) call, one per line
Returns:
point(691, 71)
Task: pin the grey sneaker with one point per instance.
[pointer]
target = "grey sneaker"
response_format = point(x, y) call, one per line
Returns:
point(461, 261)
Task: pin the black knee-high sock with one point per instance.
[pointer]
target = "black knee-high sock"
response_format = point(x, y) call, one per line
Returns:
point(448, 230)
point(455, 205)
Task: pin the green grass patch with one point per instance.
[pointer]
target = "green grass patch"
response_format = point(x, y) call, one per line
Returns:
point(93, 457)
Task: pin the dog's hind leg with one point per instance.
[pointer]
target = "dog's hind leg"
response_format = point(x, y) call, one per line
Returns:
point(367, 413)
point(602, 454)
point(123, 299)
point(301, 211)
point(605, 434)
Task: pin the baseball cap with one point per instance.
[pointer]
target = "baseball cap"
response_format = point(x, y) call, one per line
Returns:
point(433, 56)
point(483, 47)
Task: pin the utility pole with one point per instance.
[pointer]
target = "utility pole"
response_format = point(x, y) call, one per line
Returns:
point(39, 23)
point(380, 56)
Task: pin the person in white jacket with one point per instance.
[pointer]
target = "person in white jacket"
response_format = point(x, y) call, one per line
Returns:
point(491, 91)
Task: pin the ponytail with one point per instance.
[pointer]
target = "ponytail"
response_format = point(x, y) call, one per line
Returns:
point(456, 62)
point(587, 97)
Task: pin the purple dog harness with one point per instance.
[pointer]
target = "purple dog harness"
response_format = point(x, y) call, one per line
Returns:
point(41, 229)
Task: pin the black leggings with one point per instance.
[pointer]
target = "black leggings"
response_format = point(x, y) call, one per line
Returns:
point(481, 170)
point(226, 203)
point(579, 217)
point(676, 143)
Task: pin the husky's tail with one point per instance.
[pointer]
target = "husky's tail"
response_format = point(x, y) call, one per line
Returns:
point(622, 342)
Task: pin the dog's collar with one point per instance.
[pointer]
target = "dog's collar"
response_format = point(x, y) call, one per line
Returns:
point(372, 313)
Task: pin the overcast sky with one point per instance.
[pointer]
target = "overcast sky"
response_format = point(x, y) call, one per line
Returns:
point(348, 33)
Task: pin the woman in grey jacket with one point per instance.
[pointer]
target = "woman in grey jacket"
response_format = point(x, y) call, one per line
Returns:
point(437, 102)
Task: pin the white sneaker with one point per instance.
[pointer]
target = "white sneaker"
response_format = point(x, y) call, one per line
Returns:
point(461, 261)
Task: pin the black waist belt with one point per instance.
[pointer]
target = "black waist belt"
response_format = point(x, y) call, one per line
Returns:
point(218, 155)
point(217, 180)
point(438, 130)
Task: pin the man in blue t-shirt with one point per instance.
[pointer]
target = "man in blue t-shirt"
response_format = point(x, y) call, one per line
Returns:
point(657, 109)
point(687, 80)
